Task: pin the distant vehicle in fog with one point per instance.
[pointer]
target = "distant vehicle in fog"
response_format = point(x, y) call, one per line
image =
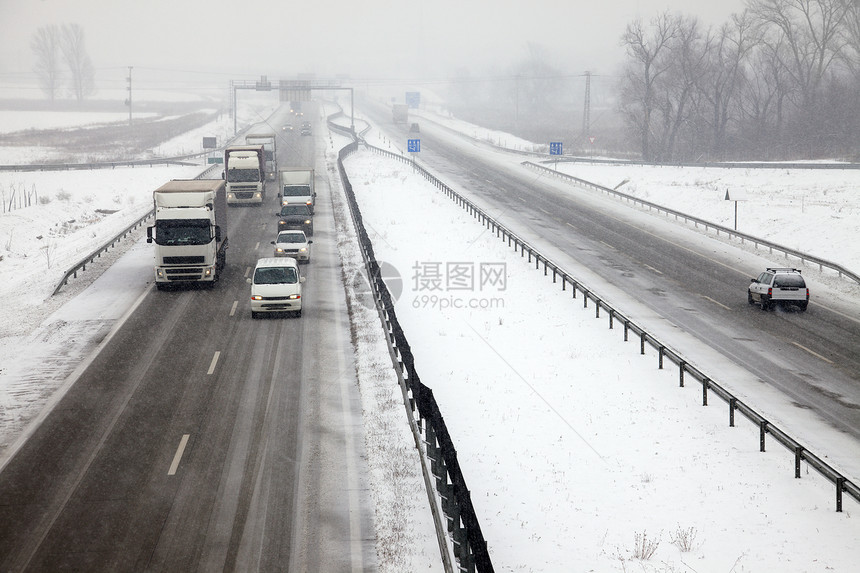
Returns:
point(245, 173)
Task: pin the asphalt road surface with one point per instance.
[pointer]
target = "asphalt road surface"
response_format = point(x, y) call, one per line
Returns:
point(812, 357)
point(200, 439)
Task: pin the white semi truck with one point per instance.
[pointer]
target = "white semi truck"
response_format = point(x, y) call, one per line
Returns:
point(190, 231)
point(297, 186)
point(245, 173)
point(266, 138)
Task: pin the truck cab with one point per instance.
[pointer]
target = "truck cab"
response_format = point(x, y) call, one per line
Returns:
point(245, 174)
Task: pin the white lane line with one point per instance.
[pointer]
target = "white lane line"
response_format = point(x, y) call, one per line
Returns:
point(214, 362)
point(817, 355)
point(349, 421)
point(233, 309)
point(247, 271)
point(257, 246)
point(178, 455)
point(715, 302)
point(653, 269)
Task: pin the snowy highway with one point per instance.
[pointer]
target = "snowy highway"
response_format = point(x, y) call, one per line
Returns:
point(680, 283)
point(200, 439)
point(256, 454)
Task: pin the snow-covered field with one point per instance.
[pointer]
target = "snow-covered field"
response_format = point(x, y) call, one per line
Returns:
point(26, 120)
point(49, 221)
point(579, 453)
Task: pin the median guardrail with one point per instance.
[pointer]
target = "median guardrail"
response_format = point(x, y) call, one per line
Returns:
point(709, 385)
point(469, 546)
point(731, 233)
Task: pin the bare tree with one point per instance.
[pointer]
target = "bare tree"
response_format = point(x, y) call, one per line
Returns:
point(763, 100)
point(688, 52)
point(647, 51)
point(852, 37)
point(721, 83)
point(78, 61)
point(45, 44)
point(812, 33)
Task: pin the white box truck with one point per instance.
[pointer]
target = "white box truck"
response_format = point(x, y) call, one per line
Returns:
point(266, 138)
point(297, 186)
point(190, 231)
point(245, 173)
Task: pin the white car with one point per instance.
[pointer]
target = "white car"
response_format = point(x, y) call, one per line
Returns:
point(781, 286)
point(276, 286)
point(293, 244)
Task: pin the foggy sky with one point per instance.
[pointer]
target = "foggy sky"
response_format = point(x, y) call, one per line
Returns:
point(372, 38)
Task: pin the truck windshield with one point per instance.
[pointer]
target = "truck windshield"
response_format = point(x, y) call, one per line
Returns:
point(243, 175)
point(275, 276)
point(296, 191)
point(182, 232)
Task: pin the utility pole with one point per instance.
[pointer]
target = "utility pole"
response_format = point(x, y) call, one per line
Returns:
point(586, 114)
point(128, 101)
point(517, 97)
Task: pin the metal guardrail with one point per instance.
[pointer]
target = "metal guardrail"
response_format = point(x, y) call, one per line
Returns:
point(723, 164)
point(803, 257)
point(100, 165)
point(470, 547)
point(709, 385)
point(89, 259)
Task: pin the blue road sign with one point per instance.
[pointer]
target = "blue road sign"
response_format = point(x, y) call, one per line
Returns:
point(413, 99)
point(555, 148)
point(413, 145)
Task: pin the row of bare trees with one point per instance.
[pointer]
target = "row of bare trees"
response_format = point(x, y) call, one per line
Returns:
point(779, 80)
point(62, 61)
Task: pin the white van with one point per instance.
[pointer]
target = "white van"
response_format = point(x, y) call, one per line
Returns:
point(276, 286)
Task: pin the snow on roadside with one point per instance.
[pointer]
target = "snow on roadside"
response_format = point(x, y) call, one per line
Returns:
point(49, 221)
point(809, 210)
point(405, 535)
point(577, 450)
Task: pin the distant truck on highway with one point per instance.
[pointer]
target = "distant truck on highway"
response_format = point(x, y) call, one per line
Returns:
point(245, 174)
point(297, 186)
point(190, 231)
point(400, 112)
point(267, 139)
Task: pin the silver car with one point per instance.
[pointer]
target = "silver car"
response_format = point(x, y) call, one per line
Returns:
point(293, 244)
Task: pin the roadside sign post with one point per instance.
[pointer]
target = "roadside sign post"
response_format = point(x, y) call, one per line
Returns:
point(735, 196)
point(555, 148)
point(413, 146)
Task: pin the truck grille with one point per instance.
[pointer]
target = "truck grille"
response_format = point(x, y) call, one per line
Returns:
point(183, 274)
point(183, 260)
